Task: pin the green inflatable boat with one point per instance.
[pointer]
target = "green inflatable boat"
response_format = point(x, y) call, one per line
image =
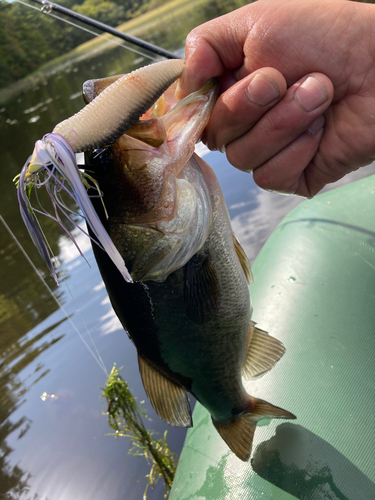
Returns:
point(314, 290)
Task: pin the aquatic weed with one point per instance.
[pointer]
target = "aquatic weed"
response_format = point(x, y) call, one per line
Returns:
point(125, 418)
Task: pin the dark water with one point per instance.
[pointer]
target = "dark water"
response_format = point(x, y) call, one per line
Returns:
point(58, 448)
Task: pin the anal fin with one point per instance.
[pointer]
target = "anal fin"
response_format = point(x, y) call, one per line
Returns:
point(239, 434)
point(169, 400)
point(263, 353)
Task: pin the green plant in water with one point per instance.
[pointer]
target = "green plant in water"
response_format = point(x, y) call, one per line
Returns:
point(125, 417)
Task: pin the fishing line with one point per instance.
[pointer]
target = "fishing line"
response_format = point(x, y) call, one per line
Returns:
point(111, 40)
point(98, 359)
point(46, 9)
point(87, 330)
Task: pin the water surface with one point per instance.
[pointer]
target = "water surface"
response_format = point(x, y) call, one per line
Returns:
point(57, 448)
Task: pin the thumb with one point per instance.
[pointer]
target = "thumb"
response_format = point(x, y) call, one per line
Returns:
point(202, 62)
point(211, 50)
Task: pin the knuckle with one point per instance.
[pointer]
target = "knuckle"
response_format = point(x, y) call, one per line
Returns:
point(239, 156)
point(275, 123)
point(264, 180)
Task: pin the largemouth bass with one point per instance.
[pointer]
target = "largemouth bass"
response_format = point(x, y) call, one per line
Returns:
point(185, 298)
point(189, 311)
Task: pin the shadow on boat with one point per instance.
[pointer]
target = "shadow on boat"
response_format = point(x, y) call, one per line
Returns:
point(295, 460)
point(308, 467)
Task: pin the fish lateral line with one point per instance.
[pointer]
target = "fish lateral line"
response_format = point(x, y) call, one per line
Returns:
point(196, 301)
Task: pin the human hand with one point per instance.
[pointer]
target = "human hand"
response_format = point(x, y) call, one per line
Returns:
point(309, 117)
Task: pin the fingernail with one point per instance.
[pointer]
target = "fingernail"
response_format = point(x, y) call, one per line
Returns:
point(317, 125)
point(263, 90)
point(311, 94)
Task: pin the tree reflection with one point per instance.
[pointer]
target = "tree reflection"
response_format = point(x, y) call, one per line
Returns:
point(13, 480)
point(16, 355)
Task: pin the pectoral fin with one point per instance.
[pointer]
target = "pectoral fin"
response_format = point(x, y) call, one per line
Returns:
point(201, 288)
point(244, 261)
point(239, 434)
point(169, 400)
point(263, 353)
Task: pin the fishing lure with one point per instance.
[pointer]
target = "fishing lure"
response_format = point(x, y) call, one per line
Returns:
point(53, 163)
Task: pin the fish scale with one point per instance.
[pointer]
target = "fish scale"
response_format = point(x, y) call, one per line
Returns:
point(188, 309)
point(192, 333)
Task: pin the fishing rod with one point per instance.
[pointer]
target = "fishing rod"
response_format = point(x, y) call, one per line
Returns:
point(48, 6)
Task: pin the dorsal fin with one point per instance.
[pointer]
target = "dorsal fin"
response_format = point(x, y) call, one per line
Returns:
point(169, 400)
point(201, 288)
point(244, 261)
point(263, 353)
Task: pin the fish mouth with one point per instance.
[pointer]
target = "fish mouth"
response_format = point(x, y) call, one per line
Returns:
point(159, 203)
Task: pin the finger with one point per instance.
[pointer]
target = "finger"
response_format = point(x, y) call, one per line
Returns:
point(242, 105)
point(211, 49)
point(303, 102)
point(347, 143)
point(323, 170)
point(285, 172)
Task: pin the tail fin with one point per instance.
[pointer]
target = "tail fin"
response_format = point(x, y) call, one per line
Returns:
point(239, 435)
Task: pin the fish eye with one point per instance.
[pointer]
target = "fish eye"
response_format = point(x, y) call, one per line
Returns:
point(101, 159)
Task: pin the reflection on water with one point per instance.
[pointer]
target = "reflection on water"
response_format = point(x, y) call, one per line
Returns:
point(57, 449)
point(18, 357)
point(256, 213)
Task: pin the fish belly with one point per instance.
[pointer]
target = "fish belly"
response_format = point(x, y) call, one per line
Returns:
point(204, 354)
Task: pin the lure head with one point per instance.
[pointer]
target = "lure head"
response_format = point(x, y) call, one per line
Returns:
point(53, 166)
point(150, 161)
point(38, 160)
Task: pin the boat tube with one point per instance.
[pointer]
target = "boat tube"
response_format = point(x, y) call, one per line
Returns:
point(314, 289)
